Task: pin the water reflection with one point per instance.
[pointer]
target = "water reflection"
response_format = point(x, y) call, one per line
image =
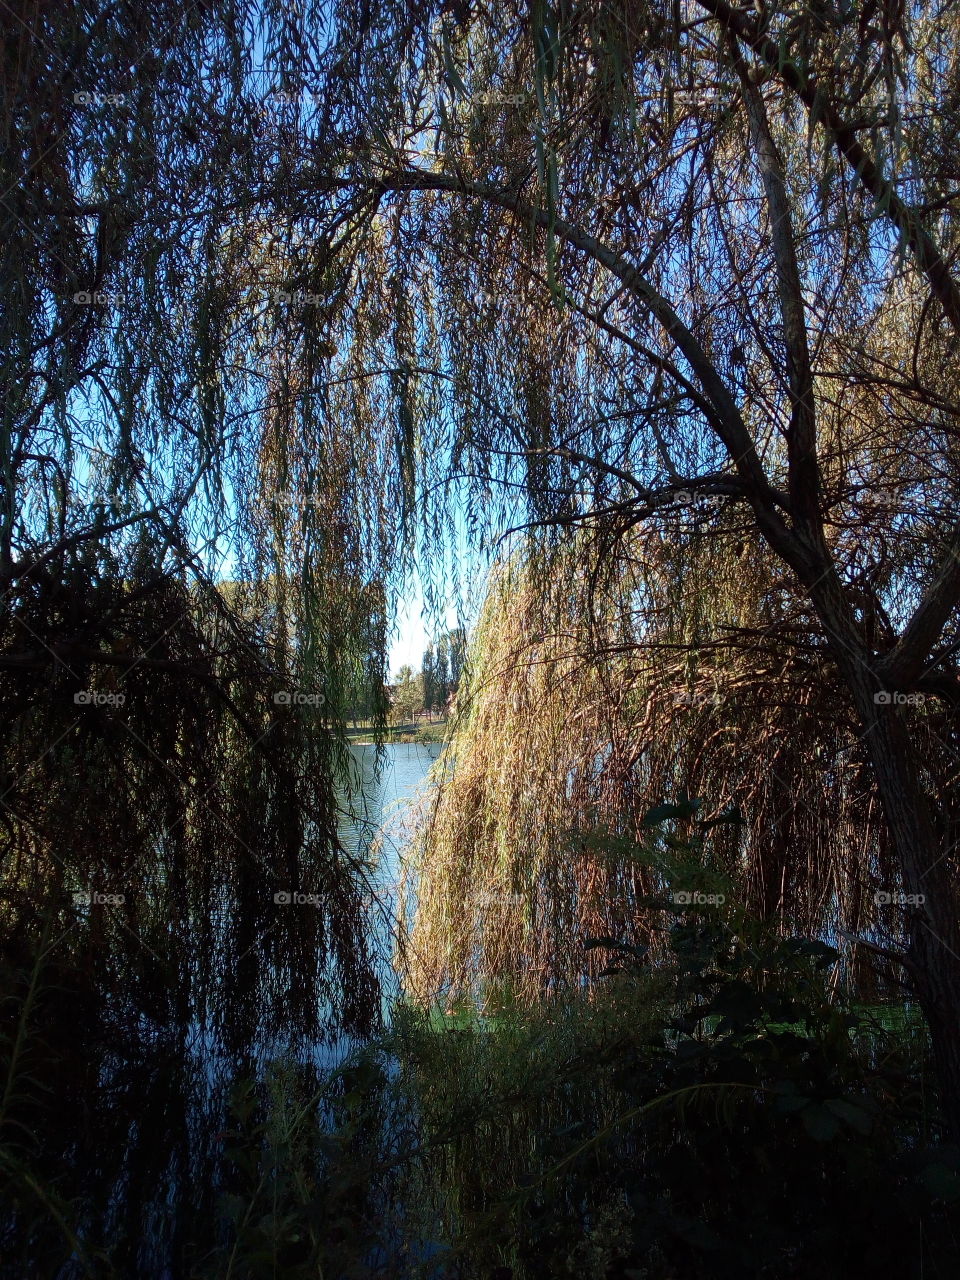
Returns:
point(127, 1033)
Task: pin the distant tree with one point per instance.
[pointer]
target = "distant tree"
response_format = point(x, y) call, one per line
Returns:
point(446, 664)
point(457, 645)
point(429, 679)
point(408, 699)
point(441, 671)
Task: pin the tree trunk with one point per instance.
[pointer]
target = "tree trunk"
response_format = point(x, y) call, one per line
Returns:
point(933, 938)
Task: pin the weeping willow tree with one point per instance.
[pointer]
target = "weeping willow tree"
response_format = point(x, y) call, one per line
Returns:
point(606, 255)
point(196, 537)
point(445, 270)
point(603, 680)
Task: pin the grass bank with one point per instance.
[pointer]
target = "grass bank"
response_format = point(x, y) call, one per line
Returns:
point(435, 732)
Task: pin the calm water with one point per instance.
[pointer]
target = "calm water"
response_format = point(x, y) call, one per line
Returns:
point(384, 802)
point(380, 805)
point(384, 799)
point(137, 1068)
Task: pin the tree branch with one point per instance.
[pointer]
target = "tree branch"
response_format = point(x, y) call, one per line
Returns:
point(726, 421)
point(866, 171)
point(909, 657)
point(803, 468)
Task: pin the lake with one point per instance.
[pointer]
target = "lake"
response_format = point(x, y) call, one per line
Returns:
point(149, 1058)
point(384, 797)
point(384, 800)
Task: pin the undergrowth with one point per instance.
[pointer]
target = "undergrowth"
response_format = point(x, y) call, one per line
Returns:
point(714, 1108)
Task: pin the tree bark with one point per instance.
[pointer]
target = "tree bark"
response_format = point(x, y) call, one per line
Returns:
point(933, 938)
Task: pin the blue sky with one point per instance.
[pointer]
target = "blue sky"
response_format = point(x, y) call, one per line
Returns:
point(411, 636)
point(414, 633)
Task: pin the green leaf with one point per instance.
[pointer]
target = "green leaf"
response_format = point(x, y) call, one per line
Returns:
point(665, 812)
point(942, 1182)
point(449, 67)
point(820, 1123)
point(854, 1116)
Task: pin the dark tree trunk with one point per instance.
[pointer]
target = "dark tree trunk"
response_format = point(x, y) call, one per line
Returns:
point(933, 938)
point(933, 944)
